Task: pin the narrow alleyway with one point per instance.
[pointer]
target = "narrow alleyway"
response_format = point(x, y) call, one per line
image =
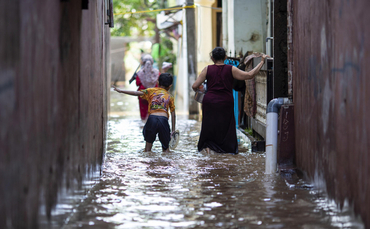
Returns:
point(190, 189)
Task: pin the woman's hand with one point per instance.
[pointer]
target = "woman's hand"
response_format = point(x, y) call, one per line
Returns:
point(201, 88)
point(264, 56)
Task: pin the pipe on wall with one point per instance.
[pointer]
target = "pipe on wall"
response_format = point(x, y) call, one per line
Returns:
point(269, 51)
point(272, 132)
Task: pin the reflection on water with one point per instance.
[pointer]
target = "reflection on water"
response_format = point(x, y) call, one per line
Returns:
point(190, 189)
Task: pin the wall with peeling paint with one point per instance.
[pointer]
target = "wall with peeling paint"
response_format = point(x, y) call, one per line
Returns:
point(280, 49)
point(245, 26)
point(53, 99)
point(329, 62)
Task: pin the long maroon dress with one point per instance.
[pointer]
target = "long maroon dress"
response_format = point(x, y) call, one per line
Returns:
point(218, 123)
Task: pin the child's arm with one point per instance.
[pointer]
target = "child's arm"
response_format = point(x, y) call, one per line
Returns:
point(136, 93)
point(173, 119)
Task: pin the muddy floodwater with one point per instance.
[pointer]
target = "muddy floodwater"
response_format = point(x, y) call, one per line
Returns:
point(190, 189)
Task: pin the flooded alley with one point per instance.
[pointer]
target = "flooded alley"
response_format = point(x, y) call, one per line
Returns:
point(72, 149)
point(190, 189)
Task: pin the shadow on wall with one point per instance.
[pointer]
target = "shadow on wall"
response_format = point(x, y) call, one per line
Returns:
point(53, 98)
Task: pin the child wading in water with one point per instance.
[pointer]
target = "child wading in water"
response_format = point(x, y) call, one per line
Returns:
point(160, 102)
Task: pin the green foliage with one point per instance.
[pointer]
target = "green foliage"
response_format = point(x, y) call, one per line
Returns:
point(249, 131)
point(167, 45)
point(142, 24)
point(139, 24)
point(163, 52)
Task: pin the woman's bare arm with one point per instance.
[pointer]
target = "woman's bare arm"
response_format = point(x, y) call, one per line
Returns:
point(242, 75)
point(201, 78)
point(136, 93)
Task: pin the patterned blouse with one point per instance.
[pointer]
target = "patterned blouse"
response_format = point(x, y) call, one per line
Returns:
point(159, 100)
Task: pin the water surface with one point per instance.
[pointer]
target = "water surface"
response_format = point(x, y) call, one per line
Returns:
point(190, 189)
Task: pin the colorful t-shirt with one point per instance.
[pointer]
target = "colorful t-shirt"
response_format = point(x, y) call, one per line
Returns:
point(159, 100)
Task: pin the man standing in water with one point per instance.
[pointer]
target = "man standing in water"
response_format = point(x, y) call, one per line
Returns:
point(160, 102)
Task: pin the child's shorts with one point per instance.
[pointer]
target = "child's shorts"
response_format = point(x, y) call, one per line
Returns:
point(157, 125)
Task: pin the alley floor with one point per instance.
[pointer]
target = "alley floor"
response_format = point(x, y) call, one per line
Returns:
point(190, 189)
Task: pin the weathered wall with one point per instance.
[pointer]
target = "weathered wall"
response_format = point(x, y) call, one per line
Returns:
point(53, 99)
point(117, 53)
point(331, 97)
point(236, 35)
point(280, 49)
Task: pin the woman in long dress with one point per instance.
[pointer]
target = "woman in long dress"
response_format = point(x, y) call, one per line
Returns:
point(218, 131)
point(147, 77)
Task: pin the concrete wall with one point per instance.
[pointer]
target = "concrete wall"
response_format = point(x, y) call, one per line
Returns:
point(204, 33)
point(245, 26)
point(331, 94)
point(53, 99)
point(117, 52)
point(280, 51)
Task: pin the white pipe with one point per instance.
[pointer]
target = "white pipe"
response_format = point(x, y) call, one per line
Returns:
point(271, 142)
point(268, 47)
point(272, 133)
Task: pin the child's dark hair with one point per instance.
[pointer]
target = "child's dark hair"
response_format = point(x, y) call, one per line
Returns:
point(218, 53)
point(165, 79)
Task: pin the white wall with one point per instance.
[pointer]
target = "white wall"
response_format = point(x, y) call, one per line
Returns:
point(245, 23)
point(182, 95)
point(204, 32)
point(225, 33)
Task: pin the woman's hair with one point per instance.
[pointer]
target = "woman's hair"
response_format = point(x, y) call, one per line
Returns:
point(218, 53)
point(165, 79)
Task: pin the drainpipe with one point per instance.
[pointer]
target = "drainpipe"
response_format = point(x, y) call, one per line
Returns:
point(268, 50)
point(272, 132)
